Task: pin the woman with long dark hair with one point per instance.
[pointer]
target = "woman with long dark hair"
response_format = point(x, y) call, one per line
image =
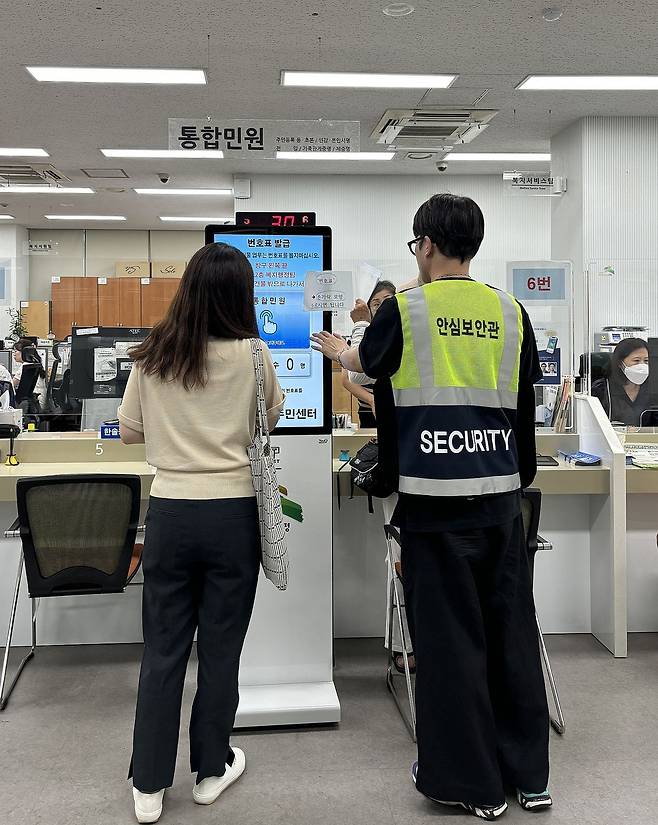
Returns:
point(191, 397)
point(624, 392)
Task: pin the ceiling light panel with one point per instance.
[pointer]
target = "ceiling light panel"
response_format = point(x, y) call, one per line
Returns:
point(45, 190)
point(85, 217)
point(78, 74)
point(6, 152)
point(322, 156)
point(183, 191)
point(164, 153)
point(528, 157)
point(6, 217)
point(587, 83)
point(366, 80)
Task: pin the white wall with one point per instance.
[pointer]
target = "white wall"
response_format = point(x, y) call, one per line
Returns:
point(372, 216)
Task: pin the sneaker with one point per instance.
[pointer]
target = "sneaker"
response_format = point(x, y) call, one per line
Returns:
point(207, 791)
point(490, 813)
point(148, 806)
point(534, 801)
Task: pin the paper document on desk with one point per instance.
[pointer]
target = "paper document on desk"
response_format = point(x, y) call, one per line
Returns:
point(643, 455)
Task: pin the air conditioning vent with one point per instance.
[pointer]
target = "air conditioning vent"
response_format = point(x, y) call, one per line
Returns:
point(431, 129)
point(33, 173)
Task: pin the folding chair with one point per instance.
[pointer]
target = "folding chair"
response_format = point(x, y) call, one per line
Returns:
point(395, 608)
point(531, 508)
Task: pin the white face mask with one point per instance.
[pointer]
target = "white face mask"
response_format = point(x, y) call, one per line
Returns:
point(637, 374)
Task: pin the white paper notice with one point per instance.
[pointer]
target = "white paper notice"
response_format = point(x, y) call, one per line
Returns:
point(105, 364)
point(328, 290)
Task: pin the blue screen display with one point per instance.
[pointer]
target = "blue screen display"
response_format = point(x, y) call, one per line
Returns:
point(280, 264)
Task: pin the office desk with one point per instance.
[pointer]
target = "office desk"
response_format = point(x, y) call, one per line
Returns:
point(565, 479)
point(570, 591)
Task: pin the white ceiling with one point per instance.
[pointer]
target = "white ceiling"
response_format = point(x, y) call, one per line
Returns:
point(491, 44)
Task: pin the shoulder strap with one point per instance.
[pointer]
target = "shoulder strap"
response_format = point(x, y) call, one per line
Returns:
point(262, 428)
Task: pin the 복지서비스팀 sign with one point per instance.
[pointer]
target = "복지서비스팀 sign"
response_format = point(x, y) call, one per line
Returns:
point(258, 138)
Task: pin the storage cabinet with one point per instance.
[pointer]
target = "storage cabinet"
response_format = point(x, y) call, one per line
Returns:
point(86, 302)
point(109, 312)
point(119, 302)
point(62, 294)
point(130, 303)
point(157, 294)
point(36, 317)
point(74, 303)
point(109, 302)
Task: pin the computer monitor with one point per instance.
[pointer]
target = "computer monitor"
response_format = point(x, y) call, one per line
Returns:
point(100, 361)
point(6, 359)
point(280, 258)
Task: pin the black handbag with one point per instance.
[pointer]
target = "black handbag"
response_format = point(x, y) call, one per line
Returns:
point(369, 475)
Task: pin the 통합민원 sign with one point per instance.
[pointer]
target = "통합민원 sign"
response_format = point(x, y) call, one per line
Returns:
point(258, 138)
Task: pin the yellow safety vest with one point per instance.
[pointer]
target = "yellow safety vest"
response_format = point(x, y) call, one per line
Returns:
point(458, 380)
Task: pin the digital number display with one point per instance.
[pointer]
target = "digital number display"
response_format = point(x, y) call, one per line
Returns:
point(275, 219)
point(280, 263)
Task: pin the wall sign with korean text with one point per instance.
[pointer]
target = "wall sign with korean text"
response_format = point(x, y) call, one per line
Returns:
point(544, 289)
point(256, 138)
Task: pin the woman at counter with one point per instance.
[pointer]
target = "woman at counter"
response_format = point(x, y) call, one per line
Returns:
point(191, 397)
point(358, 384)
point(624, 393)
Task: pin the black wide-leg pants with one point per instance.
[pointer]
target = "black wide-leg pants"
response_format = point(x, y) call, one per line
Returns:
point(201, 563)
point(482, 713)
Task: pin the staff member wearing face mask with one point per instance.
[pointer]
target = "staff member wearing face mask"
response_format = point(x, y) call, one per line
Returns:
point(624, 393)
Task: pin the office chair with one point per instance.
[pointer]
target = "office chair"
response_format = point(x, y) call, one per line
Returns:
point(531, 509)
point(25, 388)
point(78, 538)
point(50, 405)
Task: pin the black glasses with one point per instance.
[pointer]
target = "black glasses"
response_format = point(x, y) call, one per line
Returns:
point(412, 245)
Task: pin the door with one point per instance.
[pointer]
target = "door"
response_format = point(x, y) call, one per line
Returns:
point(109, 311)
point(130, 302)
point(62, 293)
point(157, 294)
point(86, 302)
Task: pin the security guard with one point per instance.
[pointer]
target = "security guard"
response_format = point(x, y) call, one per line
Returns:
point(456, 362)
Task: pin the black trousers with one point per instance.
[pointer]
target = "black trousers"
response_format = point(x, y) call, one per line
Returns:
point(201, 562)
point(482, 713)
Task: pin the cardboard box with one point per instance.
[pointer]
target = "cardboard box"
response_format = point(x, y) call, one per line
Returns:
point(133, 269)
point(167, 269)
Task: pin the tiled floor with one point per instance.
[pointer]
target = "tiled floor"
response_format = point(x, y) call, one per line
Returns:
point(65, 746)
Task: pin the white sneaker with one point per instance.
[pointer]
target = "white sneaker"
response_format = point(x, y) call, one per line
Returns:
point(207, 791)
point(148, 806)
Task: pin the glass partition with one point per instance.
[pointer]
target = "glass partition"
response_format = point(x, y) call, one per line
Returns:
point(620, 302)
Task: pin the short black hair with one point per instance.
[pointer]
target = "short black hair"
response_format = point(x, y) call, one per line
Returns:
point(452, 222)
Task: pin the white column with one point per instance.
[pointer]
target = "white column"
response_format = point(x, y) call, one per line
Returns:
point(15, 266)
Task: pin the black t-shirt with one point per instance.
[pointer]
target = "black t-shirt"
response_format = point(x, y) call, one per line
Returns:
point(618, 406)
point(380, 354)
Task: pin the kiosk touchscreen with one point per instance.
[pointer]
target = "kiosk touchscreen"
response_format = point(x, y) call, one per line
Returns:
point(280, 258)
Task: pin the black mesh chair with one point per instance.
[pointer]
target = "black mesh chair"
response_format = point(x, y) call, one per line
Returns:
point(531, 509)
point(78, 538)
